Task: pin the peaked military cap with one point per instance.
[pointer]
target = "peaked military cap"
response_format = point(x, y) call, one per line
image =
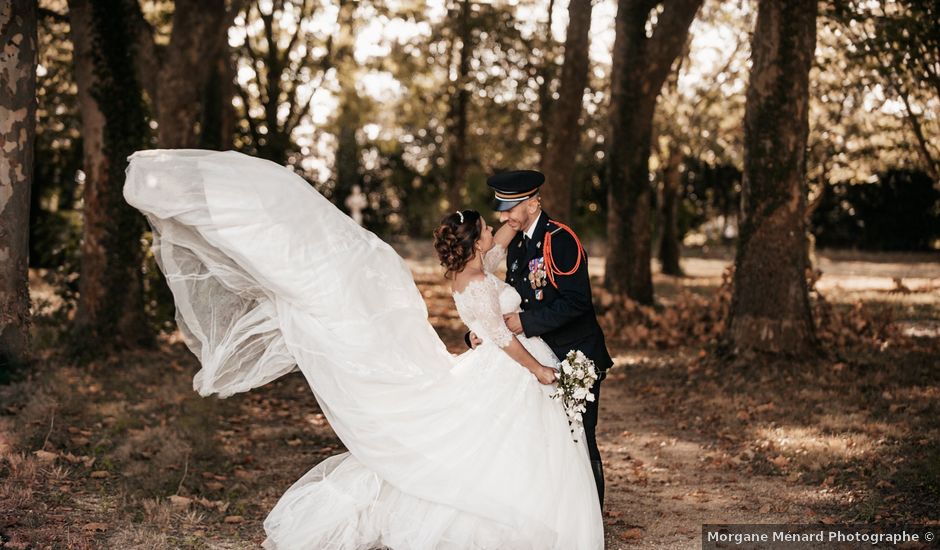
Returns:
point(514, 186)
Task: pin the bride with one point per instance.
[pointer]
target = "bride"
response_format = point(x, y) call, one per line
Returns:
point(444, 452)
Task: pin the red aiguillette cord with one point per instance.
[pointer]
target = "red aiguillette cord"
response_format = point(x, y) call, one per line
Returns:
point(550, 265)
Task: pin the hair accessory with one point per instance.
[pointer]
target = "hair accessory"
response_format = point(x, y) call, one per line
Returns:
point(459, 213)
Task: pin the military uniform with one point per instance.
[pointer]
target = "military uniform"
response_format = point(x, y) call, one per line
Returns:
point(559, 309)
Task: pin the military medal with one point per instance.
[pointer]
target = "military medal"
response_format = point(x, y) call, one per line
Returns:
point(537, 274)
point(539, 294)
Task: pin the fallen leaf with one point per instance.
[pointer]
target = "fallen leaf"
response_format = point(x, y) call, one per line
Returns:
point(179, 502)
point(45, 456)
point(233, 519)
point(632, 534)
point(99, 474)
point(244, 475)
point(95, 527)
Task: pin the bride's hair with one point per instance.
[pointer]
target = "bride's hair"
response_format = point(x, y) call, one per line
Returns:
point(454, 239)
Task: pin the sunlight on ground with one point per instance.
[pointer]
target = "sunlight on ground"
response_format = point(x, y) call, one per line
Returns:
point(803, 440)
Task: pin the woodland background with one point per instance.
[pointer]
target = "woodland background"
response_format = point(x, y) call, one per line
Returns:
point(756, 183)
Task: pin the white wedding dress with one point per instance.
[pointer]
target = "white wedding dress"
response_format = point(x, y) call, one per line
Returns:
point(445, 452)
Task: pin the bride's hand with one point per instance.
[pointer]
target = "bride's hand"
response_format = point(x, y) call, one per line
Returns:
point(545, 375)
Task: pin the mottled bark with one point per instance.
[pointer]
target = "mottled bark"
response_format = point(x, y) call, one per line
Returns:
point(217, 127)
point(185, 71)
point(770, 308)
point(641, 65)
point(349, 121)
point(222, 88)
point(460, 104)
point(564, 129)
point(672, 195)
point(18, 58)
point(110, 307)
point(546, 70)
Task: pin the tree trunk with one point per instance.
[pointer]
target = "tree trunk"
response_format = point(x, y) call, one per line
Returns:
point(18, 58)
point(640, 67)
point(460, 104)
point(186, 69)
point(110, 307)
point(564, 134)
point(218, 116)
point(221, 88)
point(546, 70)
point(348, 151)
point(770, 308)
point(672, 187)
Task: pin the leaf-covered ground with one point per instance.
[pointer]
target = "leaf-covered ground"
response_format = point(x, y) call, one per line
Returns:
point(123, 454)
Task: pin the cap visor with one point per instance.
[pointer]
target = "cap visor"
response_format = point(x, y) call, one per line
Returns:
point(500, 205)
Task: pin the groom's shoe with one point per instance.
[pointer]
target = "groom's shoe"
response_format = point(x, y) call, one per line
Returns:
point(598, 468)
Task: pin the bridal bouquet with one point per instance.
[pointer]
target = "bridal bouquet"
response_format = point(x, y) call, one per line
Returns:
point(576, 377)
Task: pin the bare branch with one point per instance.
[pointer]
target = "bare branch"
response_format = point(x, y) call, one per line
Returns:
point(669, 38)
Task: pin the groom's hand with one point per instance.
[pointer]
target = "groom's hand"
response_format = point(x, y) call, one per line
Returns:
point(474, 340)
point(513, 323)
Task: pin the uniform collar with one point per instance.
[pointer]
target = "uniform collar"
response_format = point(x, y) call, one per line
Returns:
point(535, 223)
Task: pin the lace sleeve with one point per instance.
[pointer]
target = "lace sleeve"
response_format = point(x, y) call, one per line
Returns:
point(494, 257)
point(478, 305)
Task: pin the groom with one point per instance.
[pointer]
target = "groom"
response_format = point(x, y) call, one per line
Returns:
point(547, 265)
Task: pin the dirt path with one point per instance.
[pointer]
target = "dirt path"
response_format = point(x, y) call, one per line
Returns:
point(662, 488)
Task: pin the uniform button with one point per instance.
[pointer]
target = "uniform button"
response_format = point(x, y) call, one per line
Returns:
point(510, 280)
point(527, 300)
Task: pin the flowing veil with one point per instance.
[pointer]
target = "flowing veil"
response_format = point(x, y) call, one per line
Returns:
point(269, 276)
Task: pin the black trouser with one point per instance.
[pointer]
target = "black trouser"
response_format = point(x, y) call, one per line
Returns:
point(589, 419)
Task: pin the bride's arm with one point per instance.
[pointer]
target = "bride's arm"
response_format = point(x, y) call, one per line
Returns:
point(497, 254)
point(484, 303)
point(504, 235)
point(517, 351)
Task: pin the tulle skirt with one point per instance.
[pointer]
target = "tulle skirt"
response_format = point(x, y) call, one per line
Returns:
point(445, 452)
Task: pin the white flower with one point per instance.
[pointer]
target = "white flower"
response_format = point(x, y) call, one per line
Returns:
point(578, 374)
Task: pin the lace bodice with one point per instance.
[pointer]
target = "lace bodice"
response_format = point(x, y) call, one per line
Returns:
point(482, 303)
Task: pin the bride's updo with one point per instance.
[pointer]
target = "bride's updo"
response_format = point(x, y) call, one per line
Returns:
point(454, 239)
